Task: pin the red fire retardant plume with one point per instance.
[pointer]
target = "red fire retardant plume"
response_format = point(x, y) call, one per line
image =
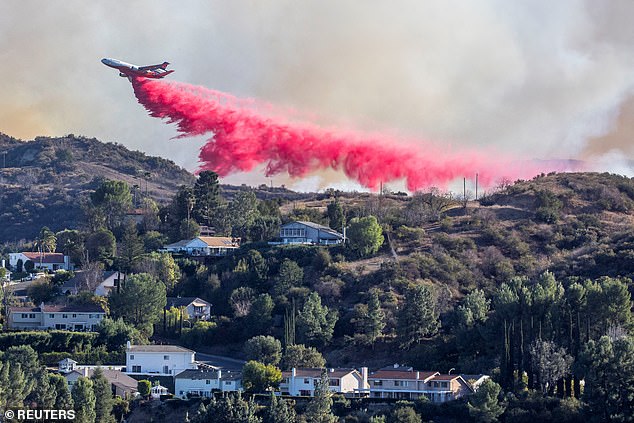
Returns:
point(244, 136)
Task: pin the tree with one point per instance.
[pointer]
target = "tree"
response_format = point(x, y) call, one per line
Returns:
point(207, 197)
point(549, 363)
point(29, 266)
point(484, 405)
point(241, 300)
point(242, 212)
point(365, 235)
point(101, 246)
point(336, 217)
point(474, 309)
point(418, 318)
point(369, 320)
point(259, 377)
point(608, 369)
point(44, 393)
point(131, 247)
point(319, 408)
point(404, 414)
point(84, 400)
point(140, 302)
point(144, 387)
point(280, 411)
point(103, 397)
point(120, 408)
point(71, 243)
point(63, 398)
point(188, 229)
point(229, 409)
point(265, 228)
point(301, 356)
point(41, 292)
point(259, 318)
point(264, 349)
point(316, 323)
point(289, 275)
point(15, 385)
point(113, 199)
point(160, 265)
point(46, 241)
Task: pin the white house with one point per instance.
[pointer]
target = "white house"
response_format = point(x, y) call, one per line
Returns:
point(104, 282)
point(204, 246)
point(302, 382)
point(48, 261)
point(196, 308)
point(160, 360)
point(73, 317)
point(405, 383)
point(301, 232)
point(66, 365)
point(157, 390)
point(204, 382)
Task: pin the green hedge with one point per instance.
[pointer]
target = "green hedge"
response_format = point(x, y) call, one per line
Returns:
point(44, 342)
point(90, 357)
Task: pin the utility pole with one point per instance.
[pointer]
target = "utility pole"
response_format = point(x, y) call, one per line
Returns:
point(476, 188)
point(464, 191)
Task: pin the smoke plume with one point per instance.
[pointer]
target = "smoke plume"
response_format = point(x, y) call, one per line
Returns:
point(245, 135)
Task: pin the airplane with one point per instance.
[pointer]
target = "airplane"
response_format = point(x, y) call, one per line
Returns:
point(127, 70)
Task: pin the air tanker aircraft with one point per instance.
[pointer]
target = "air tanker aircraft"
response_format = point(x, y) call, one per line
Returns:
point(128, 70)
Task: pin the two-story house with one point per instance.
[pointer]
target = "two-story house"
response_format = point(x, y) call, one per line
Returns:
point(303, 382)
point(405, 383)
point(196, 308)
point(301, 232)
point(204, 382)
point(71, 317)
point(160, 360)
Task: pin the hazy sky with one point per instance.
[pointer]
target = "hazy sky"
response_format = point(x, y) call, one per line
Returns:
point(537, 79)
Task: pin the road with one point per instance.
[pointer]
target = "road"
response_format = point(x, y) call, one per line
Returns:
point(225, 363)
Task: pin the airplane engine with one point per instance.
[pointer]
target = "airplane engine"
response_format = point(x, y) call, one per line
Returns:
point(123, 75)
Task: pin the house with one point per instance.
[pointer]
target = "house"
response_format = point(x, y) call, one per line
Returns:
point(157, 390)
point(120, 383)
point(405, 383)
point(71, 317)
point(204, 246)
point(204, 382)
point(475, 380)
point(301, 232)
point(66, 365)
point(104, 282)
point(159, 360)
point(197, 309)
point(302, 382)
point(48, 261)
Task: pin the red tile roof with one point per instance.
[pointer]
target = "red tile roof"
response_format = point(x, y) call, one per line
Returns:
point(445, 377)
point(55, 258)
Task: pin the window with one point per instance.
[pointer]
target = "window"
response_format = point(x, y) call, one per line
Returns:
point(50, 316)
point(207, 382)
point(378, 383)
point(64, 316)
point(333, 382)
point(400, 383)
point(443, 384)
point(435, 384)
point(60, 326)
point(227, 382)
point(306, 381)
point(24, 315)
point(166, 369)
point(166, 357)
point(131, 356)
point(136, 369)
point(74, 315)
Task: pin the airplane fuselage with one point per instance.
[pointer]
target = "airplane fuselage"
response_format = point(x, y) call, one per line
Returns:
point(128, 70)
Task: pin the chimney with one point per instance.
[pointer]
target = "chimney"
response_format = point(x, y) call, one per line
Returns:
point(417, 374)
point(85, 371)
point(331, 370)
point(364, 376)
point(293, 372)
point(128, 345)
point(396, 366)
point(2, 263)
point(219, 374)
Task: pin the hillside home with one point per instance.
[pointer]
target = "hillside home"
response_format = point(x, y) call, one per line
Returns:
point(204, 382)
point(120, 383)
point(46, 261)
point(405, 383)
point(301, 232)
point(204, 246)
point(159, 360)
point(303, 382)
point(73, 317)
point(104, 283)
point(196, 308)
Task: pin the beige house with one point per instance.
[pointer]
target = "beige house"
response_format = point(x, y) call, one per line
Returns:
point(204, 246)
point(302, 382)
point(405, 383)
point(120, 383)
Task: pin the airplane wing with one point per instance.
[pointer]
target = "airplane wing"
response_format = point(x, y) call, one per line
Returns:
point(154, 67)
